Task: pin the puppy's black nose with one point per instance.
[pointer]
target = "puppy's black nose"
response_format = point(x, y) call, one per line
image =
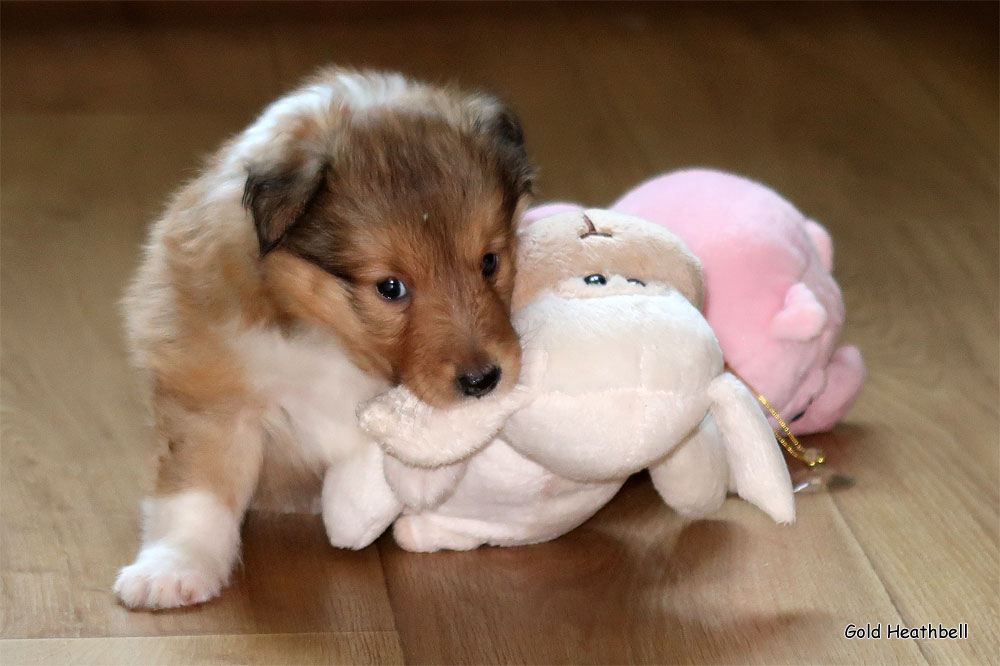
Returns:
point(479, 383)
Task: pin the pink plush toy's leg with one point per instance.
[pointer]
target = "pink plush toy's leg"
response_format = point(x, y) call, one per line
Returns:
point(844, 377)
point(692, 479)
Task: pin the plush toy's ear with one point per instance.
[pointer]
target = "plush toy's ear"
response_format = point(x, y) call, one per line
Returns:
point(802, 318)
point(690, 281)
point(822, 242)
point(278, 193)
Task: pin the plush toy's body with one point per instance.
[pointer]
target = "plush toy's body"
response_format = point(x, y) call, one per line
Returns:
point(770, 297)
point(503, 499)
point(620, 373)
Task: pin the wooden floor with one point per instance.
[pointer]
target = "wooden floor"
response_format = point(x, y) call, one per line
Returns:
point(880, 120)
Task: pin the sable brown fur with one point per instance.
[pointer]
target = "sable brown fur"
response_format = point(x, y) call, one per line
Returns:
point(354, 178)
point(410, 200)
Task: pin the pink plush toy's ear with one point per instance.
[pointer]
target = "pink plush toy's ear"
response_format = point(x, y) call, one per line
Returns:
point(546, 209)
point(802, 318)
point(820, 238)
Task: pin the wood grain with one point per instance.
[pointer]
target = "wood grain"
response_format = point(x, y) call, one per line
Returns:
point(880, 120)
point(290, 648)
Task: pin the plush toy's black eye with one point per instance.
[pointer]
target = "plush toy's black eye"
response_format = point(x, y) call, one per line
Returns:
point(595, 278)
point(637, 281)
point(490, 264)
point(391, 289)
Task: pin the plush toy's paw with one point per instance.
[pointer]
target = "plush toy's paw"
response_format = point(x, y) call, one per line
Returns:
point(165, 576)
point(419, 487)
point(358, 504)
point(757, 467)
point(419, 534)
point(692, 480)
point(423, 436)
point(356, 524)
point(352, 535)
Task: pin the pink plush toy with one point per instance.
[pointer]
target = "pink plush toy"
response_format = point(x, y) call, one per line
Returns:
point(770, 297)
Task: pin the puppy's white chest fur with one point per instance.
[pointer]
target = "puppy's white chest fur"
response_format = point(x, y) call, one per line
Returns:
point(311, 390)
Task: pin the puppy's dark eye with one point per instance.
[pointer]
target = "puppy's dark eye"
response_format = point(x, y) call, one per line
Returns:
point(636, 281)
point(490, 264)
point(391, 289)
point(595, 278)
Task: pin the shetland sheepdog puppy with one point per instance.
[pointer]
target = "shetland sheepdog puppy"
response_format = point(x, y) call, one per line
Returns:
point(359, 234)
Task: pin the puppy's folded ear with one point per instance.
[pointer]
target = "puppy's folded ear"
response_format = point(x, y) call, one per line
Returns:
point(278, 194)
point(502, 130)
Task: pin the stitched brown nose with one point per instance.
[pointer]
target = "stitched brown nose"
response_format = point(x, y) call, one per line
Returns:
point(478, 383)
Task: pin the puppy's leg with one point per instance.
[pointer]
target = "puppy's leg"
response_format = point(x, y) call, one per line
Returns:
point(192, 523)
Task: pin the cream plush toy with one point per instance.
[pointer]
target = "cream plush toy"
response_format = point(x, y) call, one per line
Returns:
point(621, 372)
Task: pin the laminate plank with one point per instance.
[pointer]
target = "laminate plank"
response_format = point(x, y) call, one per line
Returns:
point(637, 584)
point(961, 74)
point(301, 648)
point(74, 60)
point(879, 120)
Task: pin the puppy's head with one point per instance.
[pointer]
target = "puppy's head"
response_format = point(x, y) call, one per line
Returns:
point(389, 218)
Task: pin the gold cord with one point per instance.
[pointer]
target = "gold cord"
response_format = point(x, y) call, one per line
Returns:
point(810, 457)
point(789, 443)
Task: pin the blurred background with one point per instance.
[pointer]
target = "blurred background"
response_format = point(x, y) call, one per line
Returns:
point(878, 119)
point(789, 93)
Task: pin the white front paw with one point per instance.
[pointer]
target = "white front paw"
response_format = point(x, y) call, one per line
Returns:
point(165, 576)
